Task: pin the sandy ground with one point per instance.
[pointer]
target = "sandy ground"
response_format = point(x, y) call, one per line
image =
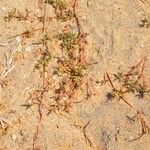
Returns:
point(118, 35)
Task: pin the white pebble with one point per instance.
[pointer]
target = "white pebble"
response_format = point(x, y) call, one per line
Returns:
point(54, 77)
point(28, 48)
point(37, 10)
point(142, 45)
point(97, 87)
point(27, 88)
point(84, 18)
point(30, 102)
point(18, 39)
point(14, 137)
point(65, 98)
point(4, 8)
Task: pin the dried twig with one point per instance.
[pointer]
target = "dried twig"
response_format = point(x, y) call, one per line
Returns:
point(144, 122)
point(83, 129)
point(5, 121)
point(118, 93)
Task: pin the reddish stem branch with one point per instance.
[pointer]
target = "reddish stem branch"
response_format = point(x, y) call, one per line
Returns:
point(135, 66)
point(76, 18)
point(110, 81)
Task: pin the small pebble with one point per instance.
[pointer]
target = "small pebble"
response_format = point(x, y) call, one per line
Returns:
point(18, 39)
point(84, 18)
point(65, 98)
point(14, 137)
point(54, 77)
point(38, 10)
point(28, 48)
point(131, 138)
point(27, 88)
point(30, 102)
point(142, 45)
point(97, 87)
point(3, 8)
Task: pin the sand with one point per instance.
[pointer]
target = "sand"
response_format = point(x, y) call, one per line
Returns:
point(118, 37)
